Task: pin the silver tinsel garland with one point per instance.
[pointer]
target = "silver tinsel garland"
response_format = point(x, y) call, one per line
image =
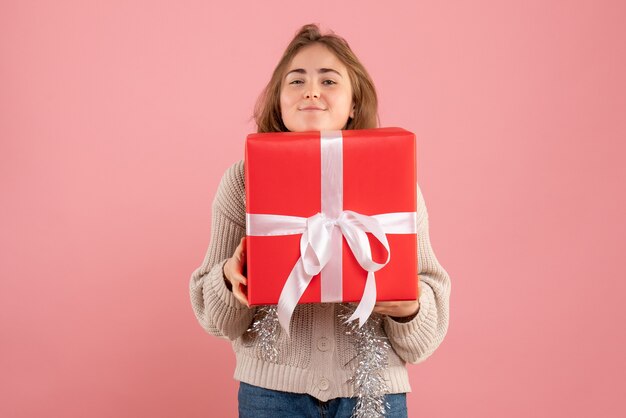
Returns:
point(371, 356)
point(266, 329)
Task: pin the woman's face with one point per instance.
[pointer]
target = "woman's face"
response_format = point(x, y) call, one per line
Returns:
point(316, 93)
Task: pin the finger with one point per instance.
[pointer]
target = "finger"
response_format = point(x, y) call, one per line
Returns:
point(381, 310)
point(238, 251)
point(240, 260)
point(233, 273)
point(241, 251)
point(386, 304)
point(240, 296)
point(240, 245)
point(240, 278)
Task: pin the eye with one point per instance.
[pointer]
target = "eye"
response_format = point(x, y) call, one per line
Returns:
point(331, 82)
point(296, 82)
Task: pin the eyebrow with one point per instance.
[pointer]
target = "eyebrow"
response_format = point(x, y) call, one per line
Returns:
point(320, 70)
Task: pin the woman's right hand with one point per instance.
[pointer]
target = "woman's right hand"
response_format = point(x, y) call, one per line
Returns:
point(234, 270)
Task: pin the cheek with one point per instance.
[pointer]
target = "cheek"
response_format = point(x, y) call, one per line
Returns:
point(343, 103)
point(344, 98)
point(286, 100)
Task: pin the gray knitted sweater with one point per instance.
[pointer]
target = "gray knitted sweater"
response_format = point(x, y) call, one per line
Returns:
point(317, 358)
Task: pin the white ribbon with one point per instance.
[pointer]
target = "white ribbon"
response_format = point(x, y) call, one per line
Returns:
point(321, 243)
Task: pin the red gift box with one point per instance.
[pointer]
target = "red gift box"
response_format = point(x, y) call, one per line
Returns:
point(287, 174)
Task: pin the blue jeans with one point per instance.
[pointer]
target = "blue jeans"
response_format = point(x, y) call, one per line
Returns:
point(256, 402)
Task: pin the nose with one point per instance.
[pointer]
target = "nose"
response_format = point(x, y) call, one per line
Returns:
point(312, 92)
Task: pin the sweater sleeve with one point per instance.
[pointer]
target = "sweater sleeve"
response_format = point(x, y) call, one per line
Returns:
point(215, 307)
point(414, 341)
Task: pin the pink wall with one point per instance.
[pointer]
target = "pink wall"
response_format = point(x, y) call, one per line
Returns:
point(118, 118)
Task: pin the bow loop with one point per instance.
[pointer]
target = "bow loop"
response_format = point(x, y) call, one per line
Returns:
point(314, 246)
point(354, 227)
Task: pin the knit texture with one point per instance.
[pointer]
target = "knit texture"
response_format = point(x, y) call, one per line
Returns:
point(318, 358)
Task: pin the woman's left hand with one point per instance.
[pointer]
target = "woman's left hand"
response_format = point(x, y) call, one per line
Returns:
point(398, 309)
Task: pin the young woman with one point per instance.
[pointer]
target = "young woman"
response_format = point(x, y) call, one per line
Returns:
point(319, 84)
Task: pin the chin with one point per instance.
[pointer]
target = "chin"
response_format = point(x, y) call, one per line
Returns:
point(310, 125)
point(306, 128)
point(318, 127)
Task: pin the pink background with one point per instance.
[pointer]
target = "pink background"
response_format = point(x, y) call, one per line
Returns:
point(118, 118)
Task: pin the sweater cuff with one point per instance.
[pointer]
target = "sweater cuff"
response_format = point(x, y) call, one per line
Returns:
point(423, 318)
point(218, 287)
